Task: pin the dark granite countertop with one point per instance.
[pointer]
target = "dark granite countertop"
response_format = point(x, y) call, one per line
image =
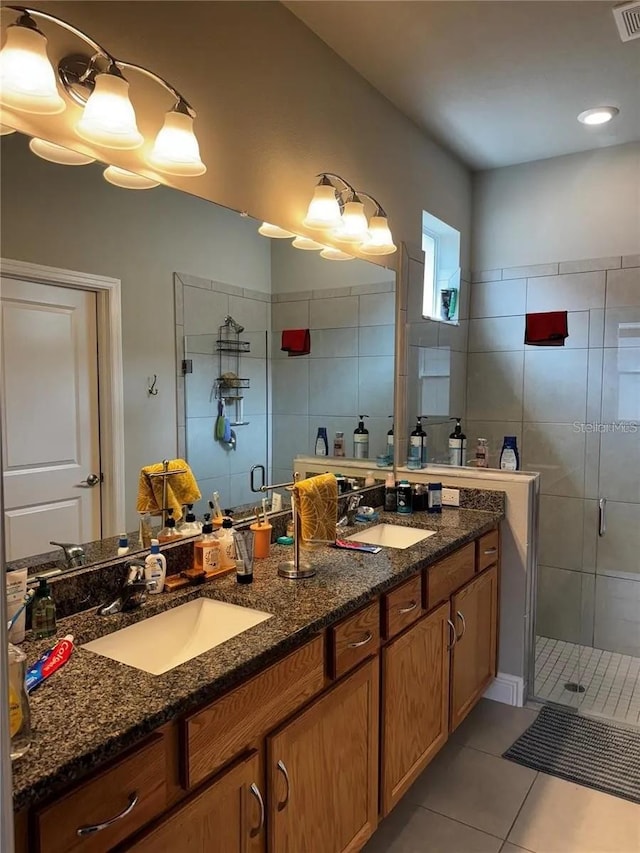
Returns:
point(94, 708)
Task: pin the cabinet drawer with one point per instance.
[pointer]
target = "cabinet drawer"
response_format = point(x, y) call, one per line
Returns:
point(354, 639)
point(443, 579)
point(217, 733)
point(402, 606)
point(120, 799)
point(488, 550)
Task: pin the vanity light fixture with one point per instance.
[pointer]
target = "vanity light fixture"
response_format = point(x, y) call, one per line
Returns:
point(273, 231)
point(332, 254)
point(128, 180)
point(598, 115)
point(96, 82)
point(58, 153)
point(380, 240)
point(324, 208)
point(307, 244)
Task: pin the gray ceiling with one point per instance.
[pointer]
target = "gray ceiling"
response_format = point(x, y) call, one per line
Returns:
point(497, 82)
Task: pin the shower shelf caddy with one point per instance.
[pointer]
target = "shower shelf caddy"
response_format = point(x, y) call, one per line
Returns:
point(230, 386)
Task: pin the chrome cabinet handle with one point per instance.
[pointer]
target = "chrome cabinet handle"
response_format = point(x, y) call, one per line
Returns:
point(464, 624)
point(454, 636)
point(92, 480)
point(83, 831)
point(282, 768)
point(408, 609)
point(602, 516)
point(364, 642)
point(256, 793)
point(490, 551)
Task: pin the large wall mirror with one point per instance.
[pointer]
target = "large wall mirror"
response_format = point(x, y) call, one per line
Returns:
point(187, 265)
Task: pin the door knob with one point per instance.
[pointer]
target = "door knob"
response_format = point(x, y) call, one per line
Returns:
point(92, 480)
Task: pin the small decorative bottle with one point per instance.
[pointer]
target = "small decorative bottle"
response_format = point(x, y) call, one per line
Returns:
point(43, 615)
point(206, 550)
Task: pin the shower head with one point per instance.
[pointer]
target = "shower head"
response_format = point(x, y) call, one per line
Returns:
point(229, 321)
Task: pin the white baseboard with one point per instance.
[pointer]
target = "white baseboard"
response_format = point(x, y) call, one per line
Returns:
point(505, 688)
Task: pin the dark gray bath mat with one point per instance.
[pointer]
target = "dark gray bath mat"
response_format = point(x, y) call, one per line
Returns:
point(589, 752)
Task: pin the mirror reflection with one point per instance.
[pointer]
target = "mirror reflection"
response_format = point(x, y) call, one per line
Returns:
point(185, 266)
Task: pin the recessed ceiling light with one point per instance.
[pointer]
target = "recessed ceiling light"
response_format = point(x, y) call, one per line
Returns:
point(598, 115)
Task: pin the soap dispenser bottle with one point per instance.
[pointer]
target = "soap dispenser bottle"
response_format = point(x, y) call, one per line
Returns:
point(390, 442)
point(322, 444)
point(418, 442)
point(43, 614)
point(457, 444)
point(227, 546)
point(191, 526)
point(361, 440)
point(169, 533)
point(206, 550)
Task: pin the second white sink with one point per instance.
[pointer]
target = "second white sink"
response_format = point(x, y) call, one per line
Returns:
point(161, 642)
point(392, 536)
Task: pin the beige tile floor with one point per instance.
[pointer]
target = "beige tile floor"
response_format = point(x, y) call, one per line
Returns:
point(470, 800)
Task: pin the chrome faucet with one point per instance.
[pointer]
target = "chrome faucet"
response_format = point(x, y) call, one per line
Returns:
point(133, 593)
point(73, 554)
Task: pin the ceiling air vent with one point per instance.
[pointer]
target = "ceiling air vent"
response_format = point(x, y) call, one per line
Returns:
point(627, 17)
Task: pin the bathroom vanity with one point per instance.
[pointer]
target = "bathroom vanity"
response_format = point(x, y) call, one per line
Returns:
point(298, 734)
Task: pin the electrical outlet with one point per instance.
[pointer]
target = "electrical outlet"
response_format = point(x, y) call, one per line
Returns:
point(451, 497)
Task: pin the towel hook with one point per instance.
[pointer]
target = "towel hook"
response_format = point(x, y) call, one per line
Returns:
point(152, 390)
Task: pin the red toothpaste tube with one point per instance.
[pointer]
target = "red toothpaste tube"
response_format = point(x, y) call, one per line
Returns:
point(348, 545)
point(49, 663)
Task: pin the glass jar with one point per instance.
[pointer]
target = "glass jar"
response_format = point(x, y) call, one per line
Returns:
point(19, 716)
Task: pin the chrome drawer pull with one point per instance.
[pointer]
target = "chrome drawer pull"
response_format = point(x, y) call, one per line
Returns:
point(464, 624)
point(408, 609)
point(256, 793)
point(98, 827)
point(364, 642)
point(490, 551)
point(282, 768)
point(454, 636)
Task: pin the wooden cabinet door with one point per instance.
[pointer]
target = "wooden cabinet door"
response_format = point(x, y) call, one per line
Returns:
point(415, 703)
point(226, 817)
point(323, 771)
point(474, 610)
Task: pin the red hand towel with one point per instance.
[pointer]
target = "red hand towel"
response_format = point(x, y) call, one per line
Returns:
point(296, 341)
point(548, 329)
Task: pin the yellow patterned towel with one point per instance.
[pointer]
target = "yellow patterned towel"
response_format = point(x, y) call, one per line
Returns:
point(317, 499)
point(181, 489)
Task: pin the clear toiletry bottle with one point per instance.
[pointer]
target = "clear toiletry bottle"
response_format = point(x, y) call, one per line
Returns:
point(322, 445)
point(206, 550)
point(482, 453)
point(19, 715)
point(169, 532)
point(457, 445)
point(43, 613)
point(509, 456)
point(338, 444)
point(361, 440)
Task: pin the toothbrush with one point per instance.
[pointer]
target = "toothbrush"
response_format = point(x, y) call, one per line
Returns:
point(25, 602)
point(264, 511)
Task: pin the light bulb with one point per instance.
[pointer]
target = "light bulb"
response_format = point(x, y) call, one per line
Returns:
point(332, 254)
point(353, 225)
point(175, 150)
point(128, 180)
point(273, 231)
point(307, 244)
point(109, 119)
point(380, 240)
point(5, 130)
point(324, 210)
point(27, 78)
point(598, 115)
point(58, 154)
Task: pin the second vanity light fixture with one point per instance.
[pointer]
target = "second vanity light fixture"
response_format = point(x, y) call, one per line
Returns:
point(30, 84)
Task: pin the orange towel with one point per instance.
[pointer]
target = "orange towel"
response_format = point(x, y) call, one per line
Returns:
point(181, 489)
point(317, 502)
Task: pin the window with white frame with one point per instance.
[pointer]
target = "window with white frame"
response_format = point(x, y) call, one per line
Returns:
point(441, 247)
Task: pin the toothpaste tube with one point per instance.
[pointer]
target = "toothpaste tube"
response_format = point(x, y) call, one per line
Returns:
point(348, 545)
point(50, 661)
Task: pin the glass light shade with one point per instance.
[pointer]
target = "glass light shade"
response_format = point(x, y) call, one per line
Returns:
point(269, 230)
point(58, 153)
point(175, 150)
point(353, 227)
point(109, 119)
point(27, 78)
point(307, 244)
point(128, 180)
point(380, 240)
point(324, 210)
point(5, 130)
point(332, 254)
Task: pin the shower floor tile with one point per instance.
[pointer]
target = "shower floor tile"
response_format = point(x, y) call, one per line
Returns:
point(611, 681)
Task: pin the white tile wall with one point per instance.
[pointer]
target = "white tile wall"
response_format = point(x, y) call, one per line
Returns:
point(561, 532)
point(565, 605)
point(623, 287)
point(617, 615)
point(558, 453)
point(573, 292)
point(590, 264)
point(494, 386)
point(338, 312)
point(555, 385)
point(498, 298)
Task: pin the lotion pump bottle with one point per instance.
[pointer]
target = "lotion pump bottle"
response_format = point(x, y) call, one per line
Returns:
point(418, 442)
point(155, 567)
point(169, 532)
point(361, 440)
point(457, 445)
point(227, 545)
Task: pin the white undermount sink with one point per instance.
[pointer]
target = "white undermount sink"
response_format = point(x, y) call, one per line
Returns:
point(159, 643)
point(392, 536)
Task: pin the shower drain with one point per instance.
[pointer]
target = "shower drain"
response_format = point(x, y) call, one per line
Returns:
point(574, 687)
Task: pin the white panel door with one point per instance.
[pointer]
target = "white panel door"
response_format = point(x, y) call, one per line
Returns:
point(50, 425)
